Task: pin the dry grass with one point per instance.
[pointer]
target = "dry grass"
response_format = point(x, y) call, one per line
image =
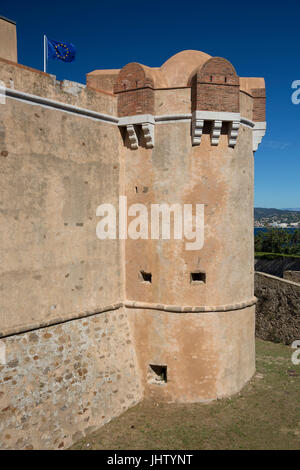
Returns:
point(265, 415)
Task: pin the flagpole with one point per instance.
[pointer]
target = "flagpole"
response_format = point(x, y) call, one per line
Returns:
point(45, 53)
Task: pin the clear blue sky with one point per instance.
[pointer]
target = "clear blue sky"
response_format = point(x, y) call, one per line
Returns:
point(261, 39)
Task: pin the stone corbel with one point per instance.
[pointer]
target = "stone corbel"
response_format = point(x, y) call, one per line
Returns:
point(216, 119)
point(233, 133)
point(148, 131)
point(147, 124)
point(134, 144)
point(259, 131)
point(216, 132)
point(197, 129)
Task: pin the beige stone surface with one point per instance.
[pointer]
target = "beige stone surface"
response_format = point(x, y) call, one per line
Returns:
point(219, 177)
point(54, 174)
point(248, 83)
point(191, 345)
point(180, 66)
point(208, 356)
point(8, 40)
point(172, 101)
point(38, 83)
point(246, 105)
point(102, 79)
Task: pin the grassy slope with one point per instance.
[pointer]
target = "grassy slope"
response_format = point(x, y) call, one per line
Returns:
point(265, 415)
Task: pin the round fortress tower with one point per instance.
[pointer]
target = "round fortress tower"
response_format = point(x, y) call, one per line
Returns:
point(189, 131)
point(91, 324)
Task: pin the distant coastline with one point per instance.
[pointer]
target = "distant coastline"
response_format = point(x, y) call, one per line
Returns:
point(276, 218)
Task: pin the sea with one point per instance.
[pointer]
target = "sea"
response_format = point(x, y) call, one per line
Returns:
point(263, 229)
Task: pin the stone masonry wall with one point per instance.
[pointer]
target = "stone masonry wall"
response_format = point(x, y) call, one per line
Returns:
point(293, 276)
point(60, 382)
point(278, 309)
point(64, 381)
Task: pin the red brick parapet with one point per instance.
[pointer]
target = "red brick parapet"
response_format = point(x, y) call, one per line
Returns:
point(134, 87)
point(215, 87)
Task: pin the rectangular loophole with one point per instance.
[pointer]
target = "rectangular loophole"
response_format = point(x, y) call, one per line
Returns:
point(198, 278)
point(146, 277)
point(157, 374)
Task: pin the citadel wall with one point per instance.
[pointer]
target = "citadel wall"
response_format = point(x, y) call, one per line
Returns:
point(56, 167)
point(86, 334)
point(278, 308)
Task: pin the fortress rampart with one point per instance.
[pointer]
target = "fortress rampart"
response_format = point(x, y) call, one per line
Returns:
point(278, 308)
point(91, 326)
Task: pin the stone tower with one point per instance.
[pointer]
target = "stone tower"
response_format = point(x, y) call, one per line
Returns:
point(89, 327)
point(190, 129)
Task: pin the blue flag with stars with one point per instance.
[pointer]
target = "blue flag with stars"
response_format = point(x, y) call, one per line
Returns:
point(61, 50)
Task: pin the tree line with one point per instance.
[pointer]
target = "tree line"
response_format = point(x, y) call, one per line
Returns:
point(278, 241)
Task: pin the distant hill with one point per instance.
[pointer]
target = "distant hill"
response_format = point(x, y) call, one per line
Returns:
point(293, 210)
point(264, 213)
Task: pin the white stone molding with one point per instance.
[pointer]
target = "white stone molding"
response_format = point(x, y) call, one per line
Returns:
point(169, 118)
point(233, 133)
point(134, 144)
point(178, 309)
point(148, 131)
point(197, 129)
point(60, 106)
point(217, 116)
point(137, 119)
point(216, 132)
point(259, 131)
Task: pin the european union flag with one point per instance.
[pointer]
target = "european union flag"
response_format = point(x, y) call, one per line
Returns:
point(59, 50)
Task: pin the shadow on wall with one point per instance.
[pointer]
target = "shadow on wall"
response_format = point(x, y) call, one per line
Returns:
point(277, 266)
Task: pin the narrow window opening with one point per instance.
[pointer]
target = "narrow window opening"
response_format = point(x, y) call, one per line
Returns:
point(136, 189)
point(146, 277)
point(225, 79)
point(198, 277)
point(211, 78)
point(157, 374)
